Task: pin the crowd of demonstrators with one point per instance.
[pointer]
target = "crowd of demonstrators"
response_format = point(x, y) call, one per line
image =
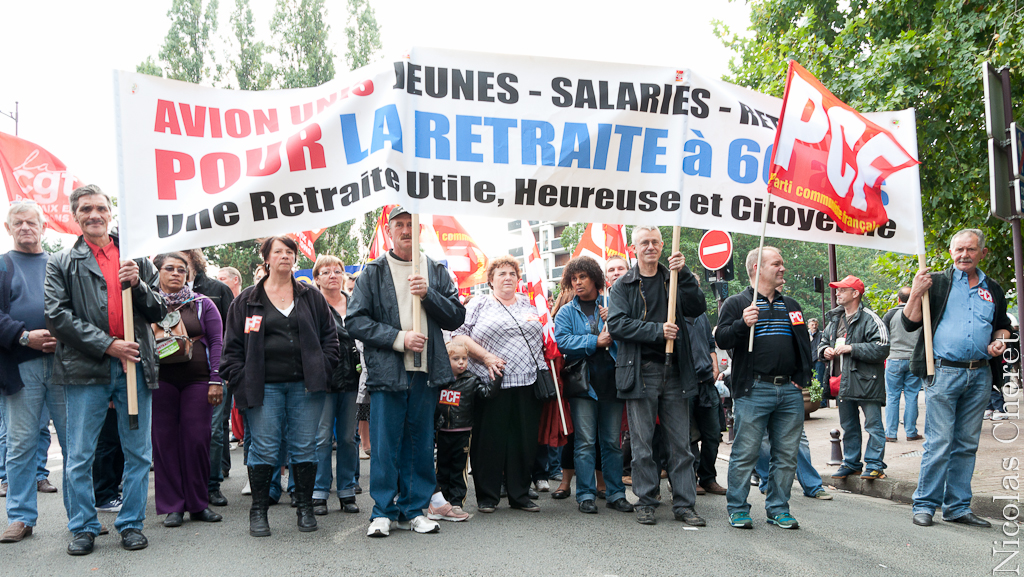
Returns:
point(855, 344)
point(656, 388)
point(900, 381)
point(582, 336)
point(280, 350)
point(189, 347)
point(968, 312)
point(505, 343)
point(403, 368)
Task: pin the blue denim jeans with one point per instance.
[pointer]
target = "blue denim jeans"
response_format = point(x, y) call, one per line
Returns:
point(41, 453)
point(25, 412)
point(595, 422)
point(779, 410)
point(284, 405)
point(338, 419)
point(899, 380)
point(217, 444)
point(806, 474)
point(954, 408)
point(86, 412)
point(849, 420)
point(402, 453)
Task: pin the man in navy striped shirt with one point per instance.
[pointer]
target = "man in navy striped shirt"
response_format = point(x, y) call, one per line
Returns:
point(766, 386)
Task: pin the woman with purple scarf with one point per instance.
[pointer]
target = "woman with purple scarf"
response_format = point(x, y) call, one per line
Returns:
point(183, 405)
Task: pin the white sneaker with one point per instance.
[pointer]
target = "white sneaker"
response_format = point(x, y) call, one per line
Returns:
point(247, 490)
point(999, 416)
point(419, 524)
point(379, 527)
point(988, 414)
point(542, 486)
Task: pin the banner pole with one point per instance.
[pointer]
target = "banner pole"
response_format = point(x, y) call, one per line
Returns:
point(129, 335)
point(757, 276)
point(926, 316)
point(558, 398)
point(417, 304)
point(673, 286)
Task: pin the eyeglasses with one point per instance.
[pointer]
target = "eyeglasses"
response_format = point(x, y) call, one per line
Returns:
point(334, 272)
point(175, 269)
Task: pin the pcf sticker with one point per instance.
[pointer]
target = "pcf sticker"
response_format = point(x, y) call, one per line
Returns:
point(253, 323)
point(796, 317)
point(985, 294)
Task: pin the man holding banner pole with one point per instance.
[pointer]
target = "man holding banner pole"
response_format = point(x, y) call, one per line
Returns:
point(638, 321)
point(83, 307)
point(969, 315)
point(403, 394)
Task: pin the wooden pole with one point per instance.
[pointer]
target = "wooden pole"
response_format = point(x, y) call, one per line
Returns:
point(926, 316)
point(760, 254)
point(558, 398)
point(673, 286)
point(129, 335)
point(417, 358)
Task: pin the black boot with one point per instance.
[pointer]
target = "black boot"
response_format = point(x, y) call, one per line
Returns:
point(259, 482)
point(305, 478)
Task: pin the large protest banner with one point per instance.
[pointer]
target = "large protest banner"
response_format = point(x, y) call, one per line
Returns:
point(463, 134)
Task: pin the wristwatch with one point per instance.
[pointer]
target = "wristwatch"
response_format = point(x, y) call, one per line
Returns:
point(23, 341)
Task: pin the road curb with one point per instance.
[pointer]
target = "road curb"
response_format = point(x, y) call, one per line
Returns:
point(983, 505)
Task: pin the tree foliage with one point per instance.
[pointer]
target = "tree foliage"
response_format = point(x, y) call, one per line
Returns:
point(252, 71)
point(187, 53)
point(897, 54)
point(300, 34)
point(363, 34)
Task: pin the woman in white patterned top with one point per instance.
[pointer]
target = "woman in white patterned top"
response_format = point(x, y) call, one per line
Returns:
point(505, 340)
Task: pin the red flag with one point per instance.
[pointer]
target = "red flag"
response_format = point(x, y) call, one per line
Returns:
point(603, 242)
point(31, 173)
point(591, 243)
point(465, 258)
point(381, 242)
point(533, 274)
point(829, 157)
point(305, 241)
point(616, 244)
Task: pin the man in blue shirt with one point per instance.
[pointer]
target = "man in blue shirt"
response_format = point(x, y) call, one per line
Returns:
point(968, 313)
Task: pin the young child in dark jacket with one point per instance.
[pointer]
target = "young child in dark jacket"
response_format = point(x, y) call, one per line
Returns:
point(454, 418)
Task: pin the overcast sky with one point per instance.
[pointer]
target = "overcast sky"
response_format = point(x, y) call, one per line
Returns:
point(58, 57)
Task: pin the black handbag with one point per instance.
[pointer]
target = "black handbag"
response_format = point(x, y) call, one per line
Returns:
point(576, 378)
point(544, 388)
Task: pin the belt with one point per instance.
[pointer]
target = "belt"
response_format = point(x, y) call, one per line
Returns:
point(773, 379)
point(961, 364)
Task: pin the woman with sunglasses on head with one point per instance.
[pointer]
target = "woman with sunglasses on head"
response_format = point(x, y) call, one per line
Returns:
point(190, 386)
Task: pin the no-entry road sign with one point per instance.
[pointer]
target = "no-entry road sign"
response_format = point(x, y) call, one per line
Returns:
point(715, 249)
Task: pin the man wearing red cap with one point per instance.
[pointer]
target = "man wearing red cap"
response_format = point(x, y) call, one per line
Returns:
point(856, 343)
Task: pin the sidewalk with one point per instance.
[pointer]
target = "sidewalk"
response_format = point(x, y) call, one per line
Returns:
point(903, 460)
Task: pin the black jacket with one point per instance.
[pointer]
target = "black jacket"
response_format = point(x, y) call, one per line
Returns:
point(75, 295)
point(242, 362)
point(346, 377)
point(938, 295)
point(631, 332)
point(733, 335)
point(863, 374)
point(218, 293)
point(458, 401)
point(373, 318)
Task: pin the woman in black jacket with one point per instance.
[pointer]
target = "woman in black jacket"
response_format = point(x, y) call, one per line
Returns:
point(279, 355)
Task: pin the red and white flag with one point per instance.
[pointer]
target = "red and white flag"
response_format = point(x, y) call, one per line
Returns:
point(465, 259)
point(602, 242)
point(830, 157)
point(381, 243)
point(533, 274)
point(616, 244)
point(305, 241)
point(30, 173)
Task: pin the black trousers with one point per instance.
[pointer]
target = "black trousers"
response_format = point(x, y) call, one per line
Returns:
point(706, 421)
point(108, 465)
point(452, 457)
point(505, 445)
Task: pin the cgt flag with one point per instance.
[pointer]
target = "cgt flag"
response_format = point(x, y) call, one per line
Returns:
point(602, 242)
point(305, 241)
point(830, 157)
point(381, 243)
point(30, 173)
point(533, 275)
point(465, 258)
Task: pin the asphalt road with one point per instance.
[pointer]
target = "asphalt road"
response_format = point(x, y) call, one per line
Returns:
point(852, 535)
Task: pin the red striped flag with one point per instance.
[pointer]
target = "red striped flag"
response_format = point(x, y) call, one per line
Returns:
point(533, 274)
point(381, 242)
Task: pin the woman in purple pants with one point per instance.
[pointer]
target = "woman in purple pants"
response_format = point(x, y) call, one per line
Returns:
point(183, 405)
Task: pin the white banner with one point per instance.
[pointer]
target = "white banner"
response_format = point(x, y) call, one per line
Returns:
point(464, 134)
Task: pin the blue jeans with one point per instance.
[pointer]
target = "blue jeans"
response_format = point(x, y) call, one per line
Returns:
point(41, 453)
point(849, 420)
point(954, 408)
point(402, 453)
point(806, 474)
point(86, 412)
point(284, 404)
point(24, 412)
point(899, 380)
point(217, 444)
point(338, 419)
point(595, 422)
point(779, 410)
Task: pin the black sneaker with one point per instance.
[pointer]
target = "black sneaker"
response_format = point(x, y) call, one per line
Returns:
point(690, 517)
point(645, 515)
point(845, 472)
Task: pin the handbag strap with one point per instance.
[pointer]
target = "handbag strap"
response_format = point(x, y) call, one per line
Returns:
point(520, 327)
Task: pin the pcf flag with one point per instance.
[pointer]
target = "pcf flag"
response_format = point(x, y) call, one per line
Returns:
point(31, 173)
point(830, 157)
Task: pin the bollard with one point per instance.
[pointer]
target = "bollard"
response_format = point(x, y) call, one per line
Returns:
point(836, 458)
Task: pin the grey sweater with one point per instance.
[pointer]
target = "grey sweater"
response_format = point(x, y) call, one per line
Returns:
point(901, 342)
